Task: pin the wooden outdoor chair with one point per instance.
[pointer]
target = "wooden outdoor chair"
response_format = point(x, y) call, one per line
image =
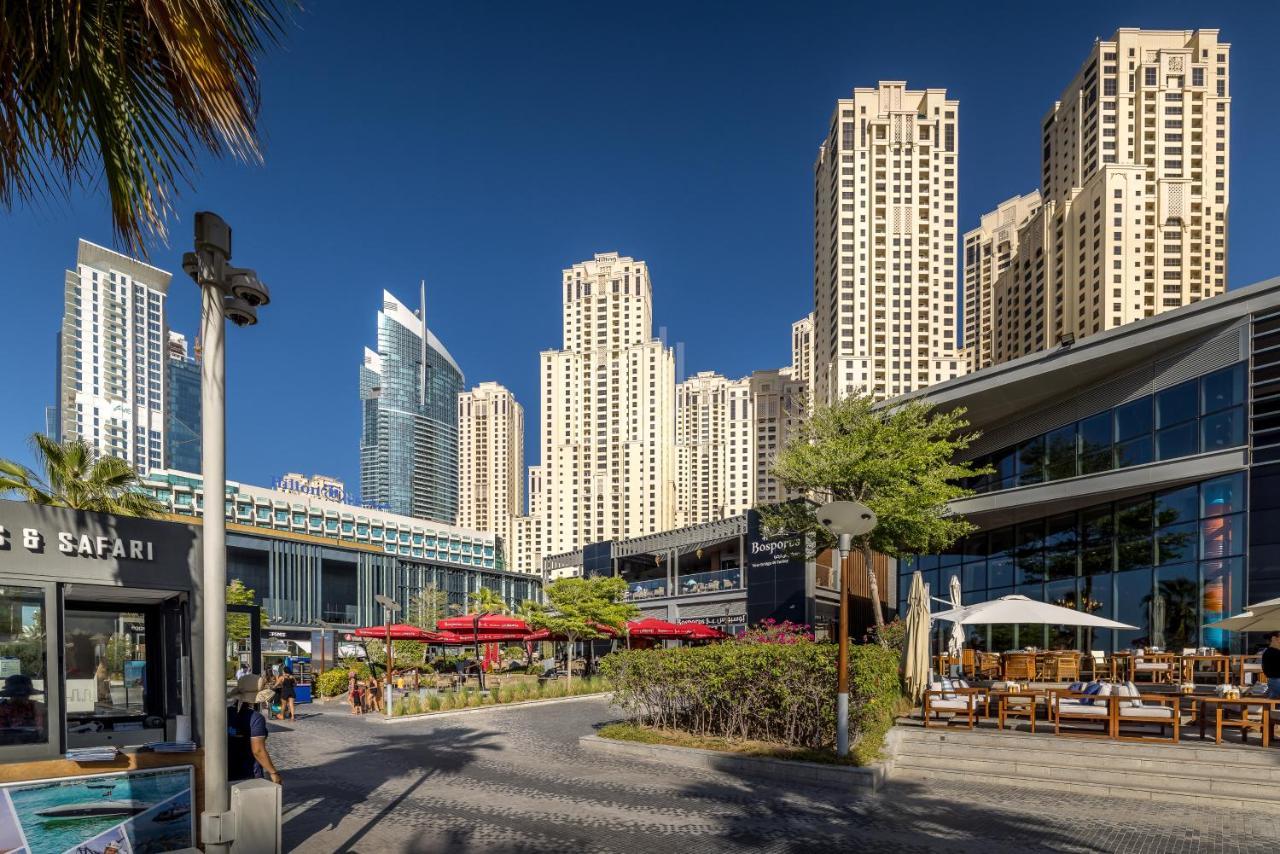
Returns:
point(1076, 708)
point(960, 703)
point(1019, 666)
point(1095, 663)
point(1162, 710)
point(988, 665)
point(1157, 666)
point(1064, 667)
point(969, 663)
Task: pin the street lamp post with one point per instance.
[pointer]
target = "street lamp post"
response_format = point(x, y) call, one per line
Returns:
point(846, 520)
point(227, 293)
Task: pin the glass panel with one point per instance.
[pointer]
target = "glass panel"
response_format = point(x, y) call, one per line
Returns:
point(1180, 441)
point(1180, 505)
point(926, 562)
point(1095, 444)
point(1135, 452)
point(950, 556)
point(931, 582)
point(1133, 606)
point(975, 578)
point(1135, 553)
point(975, 547)
point(1029, 554)
point(1222, 389)
point(1000, 565)
point(1004, 475)
point(1223, 429)
point(1061, 449)
point(1133, 419)
point(1031, 461)
point(24, 713)
point(1061, 546)
point(1096, 599)
point(1222, 495)
point(1175, 405)
point(1222, 595)
point(1222, 536)
point(1176, 543)
point(106, 653)
point(708, 582)
point(1175, 615)
point(1062, 594)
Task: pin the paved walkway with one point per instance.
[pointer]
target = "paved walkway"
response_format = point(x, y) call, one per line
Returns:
point(514, 780)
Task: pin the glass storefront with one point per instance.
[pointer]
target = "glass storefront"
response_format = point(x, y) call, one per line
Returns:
point(1198, 416)
point(1166, 562)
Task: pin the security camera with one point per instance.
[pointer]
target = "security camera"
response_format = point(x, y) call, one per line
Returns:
point(213, 234)
point(239, 312)
point(246, 285)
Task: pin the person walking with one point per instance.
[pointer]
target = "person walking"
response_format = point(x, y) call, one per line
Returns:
point(247, 756)
point(354, 692)
point(288, 689)
point(1271, 665)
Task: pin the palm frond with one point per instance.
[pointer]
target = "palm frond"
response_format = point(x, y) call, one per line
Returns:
point(128, 92)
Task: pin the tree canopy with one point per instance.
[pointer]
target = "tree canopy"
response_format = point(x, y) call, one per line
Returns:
point(898, 460)
point(576, 607)
point(75, 476)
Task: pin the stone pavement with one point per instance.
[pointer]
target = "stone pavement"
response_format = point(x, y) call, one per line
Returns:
point(514, 780)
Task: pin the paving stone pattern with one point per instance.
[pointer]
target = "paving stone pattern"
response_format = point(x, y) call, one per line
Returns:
point(514, 780)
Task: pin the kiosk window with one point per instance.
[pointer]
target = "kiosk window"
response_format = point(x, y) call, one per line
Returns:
point(24, 714)
point(106, 664)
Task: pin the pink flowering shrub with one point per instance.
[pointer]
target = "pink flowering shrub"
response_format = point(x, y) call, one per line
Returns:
point(772, 631)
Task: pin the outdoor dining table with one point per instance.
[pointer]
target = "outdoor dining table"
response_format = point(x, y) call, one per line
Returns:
point(1221, 704)
point(1220, 665)
point(1017, 704)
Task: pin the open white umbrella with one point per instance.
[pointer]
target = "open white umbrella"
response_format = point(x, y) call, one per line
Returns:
point(915, 649)
point(1262, 617)
point(955, 644)
point(1020, 609)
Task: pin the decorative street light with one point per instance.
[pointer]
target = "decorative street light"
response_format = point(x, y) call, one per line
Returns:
point(846, 520)
point(390, 606)
point(226, 293)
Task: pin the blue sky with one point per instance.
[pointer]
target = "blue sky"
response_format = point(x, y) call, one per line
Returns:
point(484, 147)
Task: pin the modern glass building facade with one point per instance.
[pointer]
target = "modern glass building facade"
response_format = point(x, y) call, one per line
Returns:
point(308, 559)
point(409, 440)
point(1131, 475)
point(182, 436)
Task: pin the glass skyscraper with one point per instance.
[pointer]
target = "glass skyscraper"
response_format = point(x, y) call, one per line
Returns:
point(409, 440)
point(182, 413)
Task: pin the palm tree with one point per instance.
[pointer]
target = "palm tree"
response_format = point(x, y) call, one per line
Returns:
point(125, 94)
point(76, 477)
point(486, 601)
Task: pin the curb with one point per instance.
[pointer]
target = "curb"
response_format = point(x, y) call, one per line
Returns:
point(867, 778)
point(489, 708)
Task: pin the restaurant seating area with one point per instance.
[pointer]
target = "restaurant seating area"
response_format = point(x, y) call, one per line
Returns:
point(1129, 695)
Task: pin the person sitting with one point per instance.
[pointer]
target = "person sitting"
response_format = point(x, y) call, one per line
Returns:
point(22, 720)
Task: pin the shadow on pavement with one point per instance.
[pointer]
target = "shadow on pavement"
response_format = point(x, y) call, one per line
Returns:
point(903, 816)
point(416, 758)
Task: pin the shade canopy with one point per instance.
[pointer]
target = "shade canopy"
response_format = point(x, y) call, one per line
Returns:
point(399, 632)
point(701, 631)
point(548, 635)
point(652, 627)
point(1020, 609)
point(1262, 617)
point(915, 647)
point(470, 638)
point(487, 623)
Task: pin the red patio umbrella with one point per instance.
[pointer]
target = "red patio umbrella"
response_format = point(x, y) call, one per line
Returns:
point(703, 632)
point(486, 623)
point(546, 635)
point(652, 627)
point(398, 631)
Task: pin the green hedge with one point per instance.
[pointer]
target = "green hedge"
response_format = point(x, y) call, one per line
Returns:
point(782, 693)
point(334, 680)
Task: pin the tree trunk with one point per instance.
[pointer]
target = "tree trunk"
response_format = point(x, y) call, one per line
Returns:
point(568, 663)
point(874, 587)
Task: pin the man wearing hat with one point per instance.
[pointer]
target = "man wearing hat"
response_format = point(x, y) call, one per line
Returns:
point(247, 755)
point(21, 718)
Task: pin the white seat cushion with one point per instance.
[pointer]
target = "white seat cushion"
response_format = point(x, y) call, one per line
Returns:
point(1147, 712)
point(1076, 709)
point(948, 705)
point(1152, 665)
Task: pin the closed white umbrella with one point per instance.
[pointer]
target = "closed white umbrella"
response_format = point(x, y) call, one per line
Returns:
point(1020, 609)
point(1159, 613)
point(955, 646)
point(915, 649)
point(1262, 617)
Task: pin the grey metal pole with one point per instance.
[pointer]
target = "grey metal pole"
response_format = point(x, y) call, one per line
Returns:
point(842, 659)
point(213, 600)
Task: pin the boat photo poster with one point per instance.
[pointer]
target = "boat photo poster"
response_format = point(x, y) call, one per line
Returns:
point(128, 812)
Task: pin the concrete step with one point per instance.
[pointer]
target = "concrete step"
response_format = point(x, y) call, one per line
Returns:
point(1237, 776)
point(1077, 762)
point(1097, 789)
point(1190, 750)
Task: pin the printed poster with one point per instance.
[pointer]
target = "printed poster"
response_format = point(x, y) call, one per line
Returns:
point(131, 812)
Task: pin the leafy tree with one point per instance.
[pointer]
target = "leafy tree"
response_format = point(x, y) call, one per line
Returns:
point(427, 607)
point(124, 95)
point(898, 460)
point(238, 624)
point(486, 601)
point(76, 476)
point(576, 607)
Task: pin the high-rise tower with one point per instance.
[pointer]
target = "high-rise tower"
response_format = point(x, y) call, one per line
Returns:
point(409, 392)
point(491, 462)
